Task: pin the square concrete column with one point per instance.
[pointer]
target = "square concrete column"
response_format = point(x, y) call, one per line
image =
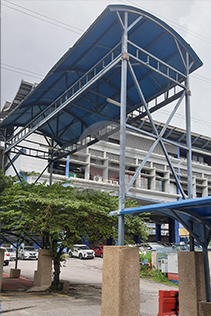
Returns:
point(191, 282)
point(1, 264)
point(154, 254)
point(204, 308)
point(15, 273)
point(43, 275)
point(120, 284)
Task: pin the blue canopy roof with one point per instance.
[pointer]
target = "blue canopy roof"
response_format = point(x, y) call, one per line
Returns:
point(91, 106)
point(185, 211)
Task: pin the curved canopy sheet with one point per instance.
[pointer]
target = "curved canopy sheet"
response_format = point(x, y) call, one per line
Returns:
point(89, 74)
point(196, 210)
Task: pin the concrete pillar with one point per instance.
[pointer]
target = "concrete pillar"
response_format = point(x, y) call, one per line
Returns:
point(105, 170)
point(204, 308)
point(1, 264)
point(154, 260)
point(191, 282)
point(120, 284)
point(87, 168)
point(43, 275)
point(15, 273)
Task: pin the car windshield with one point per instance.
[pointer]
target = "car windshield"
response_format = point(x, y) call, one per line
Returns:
point(10, 250)
point(29, 248)
point(83, 247)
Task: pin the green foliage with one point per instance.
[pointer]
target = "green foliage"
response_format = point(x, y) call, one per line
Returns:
point(157, 276)
point(147, 256)
point(63, 213)
point(6, 181)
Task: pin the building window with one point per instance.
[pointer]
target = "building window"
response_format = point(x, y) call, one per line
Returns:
point(145, 182)
point(160, 182)
point(113, 175)
point(96, 173)
point(128, 177)
point(159, 185)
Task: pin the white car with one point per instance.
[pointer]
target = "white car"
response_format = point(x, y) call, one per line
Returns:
point(6, 256)
point(27, 252)
point(82, 252)
point(12, 253)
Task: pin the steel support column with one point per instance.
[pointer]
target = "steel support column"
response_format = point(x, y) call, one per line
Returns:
point(188, 141)
point(4, 154)
point(188, 132)
point(171, 230)
point(51, 166)
point(158, 232)
point(123, 131)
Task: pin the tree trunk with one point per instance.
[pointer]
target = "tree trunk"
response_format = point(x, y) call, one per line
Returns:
point(56, 271)
point(57, 260)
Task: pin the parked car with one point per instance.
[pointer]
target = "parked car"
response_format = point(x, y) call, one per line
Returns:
point(142, 249)
point(98, 251)
point(6, 256)
point(27, 252)
point(82, 252)
point(12, 253)
point(155, 246)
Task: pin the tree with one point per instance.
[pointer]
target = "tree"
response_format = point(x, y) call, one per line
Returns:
point(6, 181)
point(64, 214)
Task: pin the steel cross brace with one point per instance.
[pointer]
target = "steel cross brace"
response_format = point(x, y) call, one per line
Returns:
point(159, 137)
point(63, 101)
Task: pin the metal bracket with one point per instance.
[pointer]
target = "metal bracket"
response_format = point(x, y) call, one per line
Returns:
point(125, 56)
point(188, 92)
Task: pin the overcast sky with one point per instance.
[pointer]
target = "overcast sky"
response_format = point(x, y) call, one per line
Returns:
point(35, 34)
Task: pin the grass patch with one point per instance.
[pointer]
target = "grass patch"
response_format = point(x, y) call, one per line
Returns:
point(156, 275)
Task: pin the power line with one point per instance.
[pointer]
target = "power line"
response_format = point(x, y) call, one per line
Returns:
point(21, 71)
point(181, 116)
point(43, 18)
point(207, 80)
point(193, 33)
point(79, 31)
point(32, 72)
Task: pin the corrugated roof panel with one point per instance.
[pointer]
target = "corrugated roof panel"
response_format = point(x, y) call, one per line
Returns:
point(91, 106)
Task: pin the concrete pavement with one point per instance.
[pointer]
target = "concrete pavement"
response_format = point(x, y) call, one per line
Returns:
point(83, 297)
point(79, 300)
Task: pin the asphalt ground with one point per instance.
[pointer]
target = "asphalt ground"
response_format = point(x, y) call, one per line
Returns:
point(19, 297)
point(79, 300)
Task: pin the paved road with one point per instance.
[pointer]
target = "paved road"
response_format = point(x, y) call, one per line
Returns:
point(84, 298)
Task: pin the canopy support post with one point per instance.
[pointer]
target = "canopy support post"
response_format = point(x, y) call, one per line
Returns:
point(123, 131)
point(51, 165)
point(188, 141)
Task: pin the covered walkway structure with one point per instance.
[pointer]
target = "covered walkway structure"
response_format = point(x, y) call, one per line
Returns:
point(194, 215)
point(126, 66)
